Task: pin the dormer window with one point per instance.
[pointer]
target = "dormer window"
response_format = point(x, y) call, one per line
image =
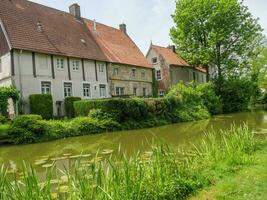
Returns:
point(155, 60)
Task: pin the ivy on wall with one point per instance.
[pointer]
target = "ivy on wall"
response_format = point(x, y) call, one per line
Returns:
point(5, 94)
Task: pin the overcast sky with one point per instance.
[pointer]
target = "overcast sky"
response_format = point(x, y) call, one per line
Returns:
point(147, 20)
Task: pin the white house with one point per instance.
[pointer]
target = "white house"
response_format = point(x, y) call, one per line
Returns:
point(44, 50)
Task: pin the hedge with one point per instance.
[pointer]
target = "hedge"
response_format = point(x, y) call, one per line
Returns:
point(124, 110)
point(41, 104)
point(69, 109)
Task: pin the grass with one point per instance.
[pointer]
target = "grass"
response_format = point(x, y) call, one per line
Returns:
point(248, 183)
point(162, 174)
point(3, 130)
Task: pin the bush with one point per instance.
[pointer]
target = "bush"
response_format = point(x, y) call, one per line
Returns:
point(3, 119)
point(191, 103)
point(69, 108)
point(236, 94)
point(210, 99)
point(26, 129)
point(41, 104)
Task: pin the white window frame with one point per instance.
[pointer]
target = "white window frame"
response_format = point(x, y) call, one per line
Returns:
point(51, 86)
point(144, 91)
point(101, 67)
point(100, 90)
point(135, 91)
point(115, 71)
point(161, 93)
point(62, 64)
point(158, 76)
point(70, 82)
point(90, 90)
point(121, 91)
point(75, 65)
point(153, 60)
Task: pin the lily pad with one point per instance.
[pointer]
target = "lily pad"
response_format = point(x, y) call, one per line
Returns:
point(47, 165)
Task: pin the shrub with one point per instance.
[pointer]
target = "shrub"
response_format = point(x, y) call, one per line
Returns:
point(3, 119)
point(210, 99)
point(26, 129)
point(69, 108)
point(5, 94)
point(236, 94)
point(191, 106)
point(41, 104)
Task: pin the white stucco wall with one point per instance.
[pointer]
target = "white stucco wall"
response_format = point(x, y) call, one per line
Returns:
point(28, 84)
point(5, 67)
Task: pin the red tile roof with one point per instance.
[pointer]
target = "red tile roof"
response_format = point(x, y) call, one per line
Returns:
point(173, 58)
point(63, 34)
point(116, 45)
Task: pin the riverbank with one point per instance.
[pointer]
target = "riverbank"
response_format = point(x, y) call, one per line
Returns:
point(248, 183)
point(164, 173)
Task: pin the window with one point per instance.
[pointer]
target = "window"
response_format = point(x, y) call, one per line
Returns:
point(86, 90)
point(101, 67)
point(75, 65)
point(161, 93)
point(67, 89)
point(144, 92)
point(158, 75)
point(135, 91)
point(119, 91)
point(133, 73)
point(194, 76)
point(202, 77)
point(60, 63)
point(143, 74)
point(155, 60)
point(46, 87)
point(103, 92)
point(116, 71)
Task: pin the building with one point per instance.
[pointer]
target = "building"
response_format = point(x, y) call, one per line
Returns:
point(171, 69)
point(44, 50)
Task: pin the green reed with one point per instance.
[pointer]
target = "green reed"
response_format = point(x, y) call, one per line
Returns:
point(163, 173)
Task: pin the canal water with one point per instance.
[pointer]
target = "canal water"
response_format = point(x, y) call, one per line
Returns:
point(63, 153)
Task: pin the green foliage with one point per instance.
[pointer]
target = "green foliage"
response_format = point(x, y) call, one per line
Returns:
point(3, 119)
point(5, 94)
point(220, 34)
point(26, 129)
point(41, 104)
point(236, 94)
point(210, 99)
point(69, 108)
point(191, 103)
point(163, 173)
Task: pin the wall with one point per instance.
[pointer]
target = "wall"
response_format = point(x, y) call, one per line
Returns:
point(28, 84)
point(165, 82)
point(5, 71)
point(121, 76)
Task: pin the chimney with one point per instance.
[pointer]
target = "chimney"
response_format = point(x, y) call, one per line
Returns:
point(75, 10)
point(123, 28)
point(172, 47)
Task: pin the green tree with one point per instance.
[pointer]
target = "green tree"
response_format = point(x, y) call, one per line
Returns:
point(259, 67)
point(219, 34)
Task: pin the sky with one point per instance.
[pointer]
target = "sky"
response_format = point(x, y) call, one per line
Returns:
point(146, 20)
